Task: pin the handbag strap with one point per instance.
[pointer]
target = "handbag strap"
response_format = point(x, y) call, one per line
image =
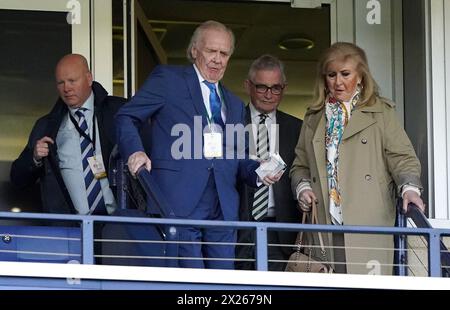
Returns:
point(299, 240)
point(315, 220)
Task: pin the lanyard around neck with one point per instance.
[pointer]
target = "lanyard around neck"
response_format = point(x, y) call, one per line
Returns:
point(84, 134)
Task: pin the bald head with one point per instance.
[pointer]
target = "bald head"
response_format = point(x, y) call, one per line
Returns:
point(73, 60)
point(73, 80)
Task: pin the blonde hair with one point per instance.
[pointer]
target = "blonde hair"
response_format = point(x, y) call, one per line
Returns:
point(343, 51)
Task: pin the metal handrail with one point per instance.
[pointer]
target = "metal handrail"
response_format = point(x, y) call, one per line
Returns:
point(87, 223)
point(156, 197)
point(400, 243)
point(168, 220)
point(153, 192)
point(418, 217)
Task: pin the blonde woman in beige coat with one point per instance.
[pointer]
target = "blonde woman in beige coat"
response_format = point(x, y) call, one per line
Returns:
point(353, 158)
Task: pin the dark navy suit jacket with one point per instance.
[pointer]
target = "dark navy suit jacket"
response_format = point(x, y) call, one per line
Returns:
point(172, 98)
point(54, 194)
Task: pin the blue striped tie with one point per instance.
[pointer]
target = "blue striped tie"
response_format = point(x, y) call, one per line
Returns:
point(93, 187)
point(215, 104)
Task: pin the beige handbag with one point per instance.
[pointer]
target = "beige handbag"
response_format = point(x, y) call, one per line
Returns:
point(302, 259)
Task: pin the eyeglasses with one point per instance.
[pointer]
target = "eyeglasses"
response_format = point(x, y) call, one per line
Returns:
point(276, 89)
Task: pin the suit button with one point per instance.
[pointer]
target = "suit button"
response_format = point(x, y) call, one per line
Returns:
point(314, 179)
point(364, 141)
point(368, 177)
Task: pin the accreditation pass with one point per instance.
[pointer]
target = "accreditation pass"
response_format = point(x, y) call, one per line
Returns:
point(212, 144)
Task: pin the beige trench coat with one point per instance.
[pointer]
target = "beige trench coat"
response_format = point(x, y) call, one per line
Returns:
point(376, 159)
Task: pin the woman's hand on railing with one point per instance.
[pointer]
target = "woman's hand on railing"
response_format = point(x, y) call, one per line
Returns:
point(414, 198)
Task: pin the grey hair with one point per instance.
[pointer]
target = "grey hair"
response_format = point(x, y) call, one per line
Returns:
point(200, 30)
point(266, 62)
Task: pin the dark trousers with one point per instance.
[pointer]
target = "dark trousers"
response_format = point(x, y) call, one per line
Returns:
point(275, 253)
point(339, 253)
point(207, 255)
point(246, 252)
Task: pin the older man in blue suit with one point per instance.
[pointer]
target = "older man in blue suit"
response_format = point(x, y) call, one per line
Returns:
point(197, 184)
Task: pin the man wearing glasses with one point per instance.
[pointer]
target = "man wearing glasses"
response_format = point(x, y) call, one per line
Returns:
point(273, 131)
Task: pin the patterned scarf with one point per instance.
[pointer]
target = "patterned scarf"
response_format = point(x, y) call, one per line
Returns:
point(337, 116)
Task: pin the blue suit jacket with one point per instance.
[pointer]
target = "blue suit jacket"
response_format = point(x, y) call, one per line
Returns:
point(172, 97)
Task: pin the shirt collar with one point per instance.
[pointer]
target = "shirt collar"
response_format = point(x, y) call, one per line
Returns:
point(255, 114)
point(87, 105)
point(200, 77)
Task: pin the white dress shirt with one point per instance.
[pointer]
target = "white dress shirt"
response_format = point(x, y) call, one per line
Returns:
point(205, 95)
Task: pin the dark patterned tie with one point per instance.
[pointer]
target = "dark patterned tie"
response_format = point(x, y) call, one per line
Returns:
point(215, 104)
point(261, 197)
point(93, 187)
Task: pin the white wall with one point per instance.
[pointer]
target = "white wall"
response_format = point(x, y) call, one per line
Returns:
point(439, 113)
point(376, 27)
point(101, 44)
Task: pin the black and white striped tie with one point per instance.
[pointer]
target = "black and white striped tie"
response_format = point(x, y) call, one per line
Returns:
point(261, 198)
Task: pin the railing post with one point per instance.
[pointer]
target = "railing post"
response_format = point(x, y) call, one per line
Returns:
point(121, 185)
point(261, 248)
point(401, 258)
point(87, 231)
point(434, 255)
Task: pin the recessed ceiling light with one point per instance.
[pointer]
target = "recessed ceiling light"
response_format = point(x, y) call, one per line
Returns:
point(295, 43)
point(16, 209)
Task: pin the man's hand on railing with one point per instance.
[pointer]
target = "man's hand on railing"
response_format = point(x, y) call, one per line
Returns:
point(412, 197)
point(137, 160)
